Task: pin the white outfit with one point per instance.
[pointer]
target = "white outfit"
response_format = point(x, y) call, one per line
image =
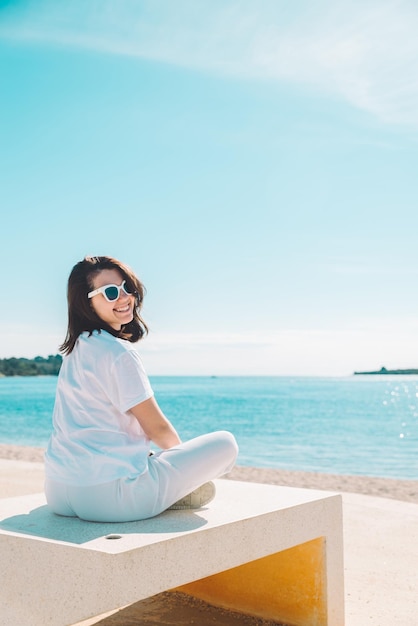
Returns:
point(97, 463)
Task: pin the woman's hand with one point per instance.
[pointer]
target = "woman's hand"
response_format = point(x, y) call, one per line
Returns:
point(155, 425)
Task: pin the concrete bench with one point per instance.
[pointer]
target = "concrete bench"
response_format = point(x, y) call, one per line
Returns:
point(268, 551)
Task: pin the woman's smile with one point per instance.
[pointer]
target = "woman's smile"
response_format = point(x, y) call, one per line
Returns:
point(123, 309)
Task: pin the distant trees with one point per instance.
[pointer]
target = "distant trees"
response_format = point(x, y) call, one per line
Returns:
point(39, 366)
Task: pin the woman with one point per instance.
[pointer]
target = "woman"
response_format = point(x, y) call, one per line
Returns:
point(98, 463)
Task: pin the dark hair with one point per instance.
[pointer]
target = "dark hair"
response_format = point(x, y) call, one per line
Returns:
point(81, 315)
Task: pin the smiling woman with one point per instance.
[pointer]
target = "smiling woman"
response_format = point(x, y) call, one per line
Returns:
point(98, 464)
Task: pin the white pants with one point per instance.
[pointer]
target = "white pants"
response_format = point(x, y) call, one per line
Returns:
point(171, 475)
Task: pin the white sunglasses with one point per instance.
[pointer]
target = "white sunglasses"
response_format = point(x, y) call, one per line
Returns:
point(111, 292)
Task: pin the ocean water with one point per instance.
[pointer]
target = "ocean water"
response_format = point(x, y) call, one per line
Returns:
point(366, 425)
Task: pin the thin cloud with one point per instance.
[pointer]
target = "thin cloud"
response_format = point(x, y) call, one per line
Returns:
point(286, 352)
point(366, 269)
point(276, 338)
point(363, 53)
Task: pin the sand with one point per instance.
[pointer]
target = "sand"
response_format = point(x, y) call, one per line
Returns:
point(406, 490)
point(22, 471)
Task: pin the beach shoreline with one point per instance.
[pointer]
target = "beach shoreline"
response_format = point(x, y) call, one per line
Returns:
point(397, 489)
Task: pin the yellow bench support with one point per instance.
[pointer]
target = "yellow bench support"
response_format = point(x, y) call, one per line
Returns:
point(289, 586)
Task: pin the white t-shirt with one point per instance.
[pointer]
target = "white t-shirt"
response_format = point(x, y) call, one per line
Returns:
point(95, 439)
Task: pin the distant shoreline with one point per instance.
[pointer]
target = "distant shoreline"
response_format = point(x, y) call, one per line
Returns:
point(39, 366)
point(383, 371)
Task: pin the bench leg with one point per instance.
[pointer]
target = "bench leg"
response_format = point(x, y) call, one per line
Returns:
point(289, 586)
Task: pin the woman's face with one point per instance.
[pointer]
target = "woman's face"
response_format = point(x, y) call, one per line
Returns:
point(115, 313)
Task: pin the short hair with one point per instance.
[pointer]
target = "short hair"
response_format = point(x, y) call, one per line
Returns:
point(81, 315)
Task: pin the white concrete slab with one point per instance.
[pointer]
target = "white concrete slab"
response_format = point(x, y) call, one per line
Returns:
point(381, 585)
point(71, 566)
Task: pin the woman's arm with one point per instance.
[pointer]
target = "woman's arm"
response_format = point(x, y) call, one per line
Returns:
point(155, 425)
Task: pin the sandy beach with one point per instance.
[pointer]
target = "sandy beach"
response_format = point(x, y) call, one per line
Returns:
point(406, 490)
point(380, 546)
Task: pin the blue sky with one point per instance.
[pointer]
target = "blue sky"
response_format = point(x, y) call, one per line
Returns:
point(255, 163)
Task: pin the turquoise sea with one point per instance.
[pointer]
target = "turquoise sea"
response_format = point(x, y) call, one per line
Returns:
point(365, 425)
